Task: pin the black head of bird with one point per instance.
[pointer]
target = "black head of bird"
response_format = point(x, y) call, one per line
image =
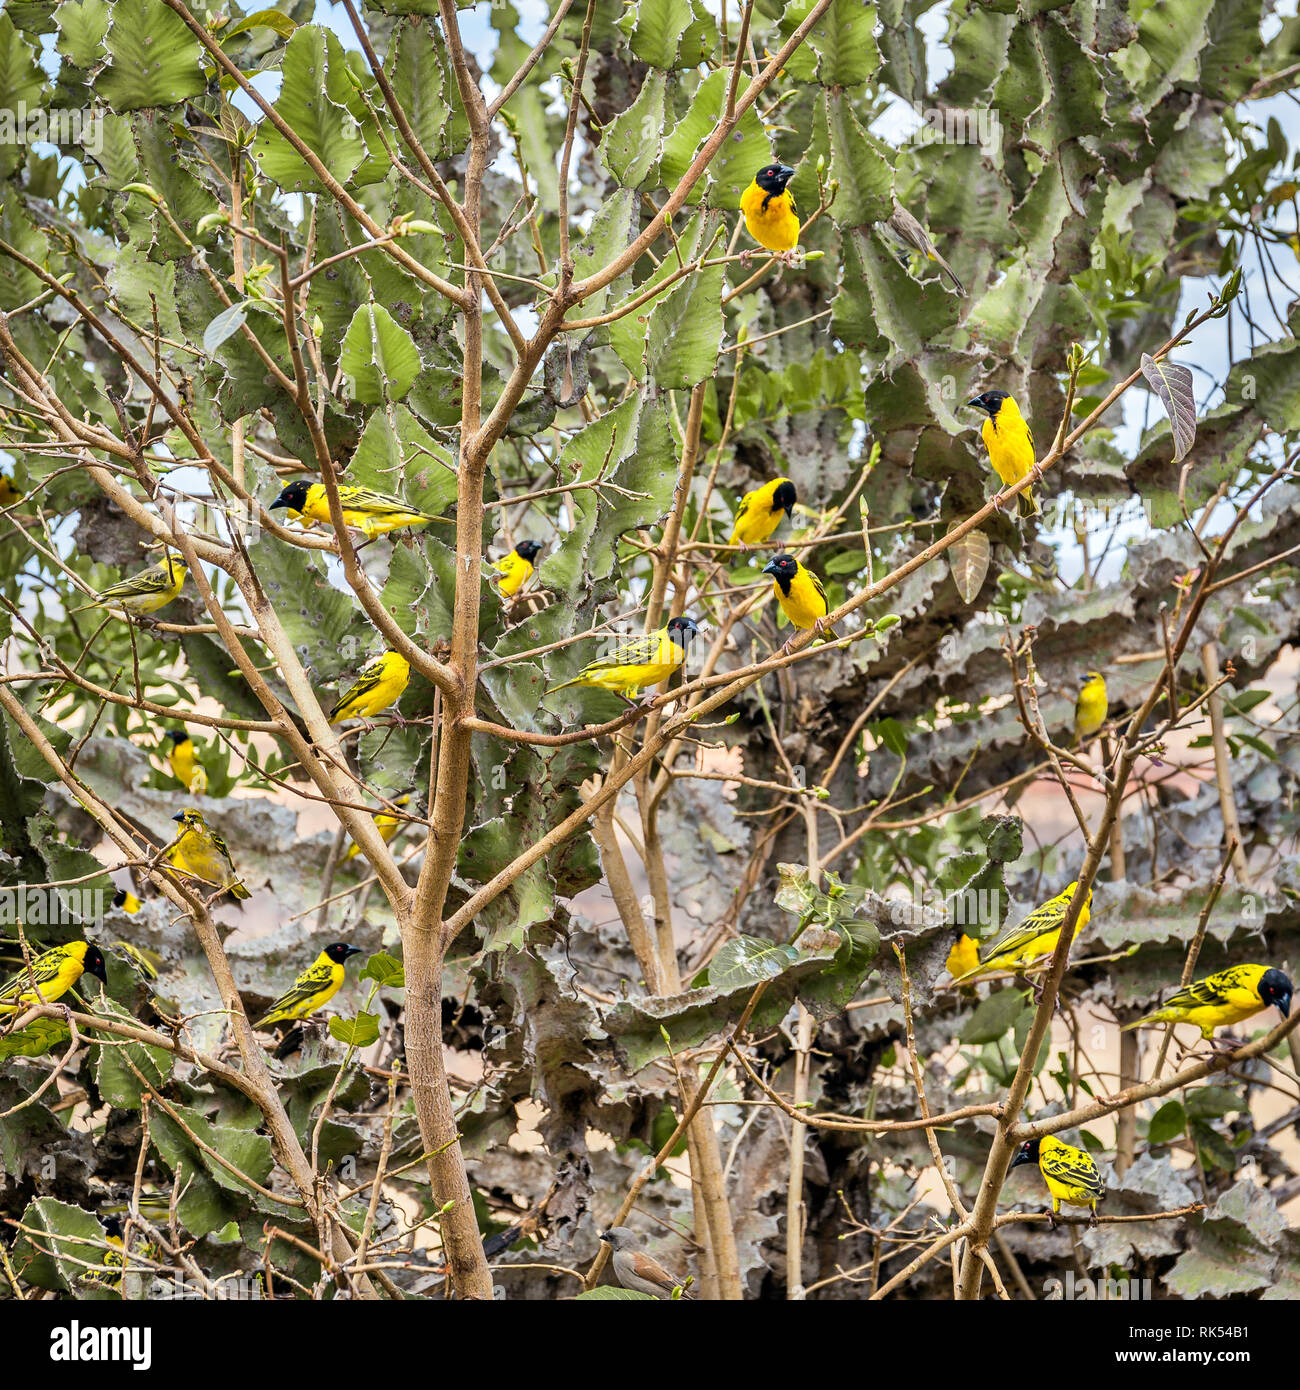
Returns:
point(990, 402)
point(1275, 988)
point(682, 629)
point(340, 951)
point(1026, 1153)
point(178, 736)
point(782, 568)
point(295, 496)
point(772, 178)
point(618, 1237)
point(93, 961)
point(528, 550)
point(784, 498)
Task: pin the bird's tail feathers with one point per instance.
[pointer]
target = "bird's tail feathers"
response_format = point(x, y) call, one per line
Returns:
point(1028, 503)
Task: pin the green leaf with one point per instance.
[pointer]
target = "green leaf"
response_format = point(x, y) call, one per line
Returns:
point(386, 971)
point(226, 323)
point(613, 1293)
point(153, 59)
point(82, 26)
point(845, 45)
point(379, 358)
point(655, 28)
point(1211, 1102)
point(632, 141)
point(734, 166)
point(355, 1032)
point(40, 1036)
point(748, 959)
point(49, 1260)
point(1167, 1124)
point(314, 96)
point(115, 1058)
point(994, 1016)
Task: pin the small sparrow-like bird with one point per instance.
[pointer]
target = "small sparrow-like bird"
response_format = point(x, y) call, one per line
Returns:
point(636, 1270)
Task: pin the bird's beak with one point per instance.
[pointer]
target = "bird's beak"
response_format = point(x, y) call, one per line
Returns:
point(277, 504)
point(1021, 1157)
point(784, 172)
point(604, 1235)
point(1284, 1006)
point(179, 816)
point(770, 567)
point(976, 403)
point(352, 951)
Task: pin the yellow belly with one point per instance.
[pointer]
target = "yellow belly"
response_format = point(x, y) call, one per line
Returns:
point(777, 227)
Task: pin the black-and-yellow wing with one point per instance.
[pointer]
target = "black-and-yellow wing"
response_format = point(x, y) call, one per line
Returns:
point(1073, 1168)
point(635, 651)
point(44, 969)
point(364, 499)
point(1210, 993)
point(307, 986)
point(365, 683)
point(820, 587)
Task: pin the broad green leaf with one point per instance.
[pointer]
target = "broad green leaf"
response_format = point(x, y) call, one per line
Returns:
point(153, 59)
point(748, 958)
point(313, 102)
point(226, 323)
point(355, 1032)
point(614, 1293)
point(58, 1257)
point(1168, 1123)
point(387, 971)
point(379, 357)
point(994, 1016)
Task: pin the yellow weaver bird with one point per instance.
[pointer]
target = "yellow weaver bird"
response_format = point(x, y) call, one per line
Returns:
point(112, 1261)
point(761, 512)
point(769, 209)
point(53, 972)
point(1036, 936)
point(369, 512)
point(516, 569)
point(146, 962)
point(1090, 708)
point(1009, 442)
point(637, 662)
point(386, 823)
point(146, 592)
point(315, 987)
point(1070, 1174)
point(905, 232)
point(9, 494)
point(800, 594)
point(380, 683)
point(190, 773)
point(203, 854)
point(964, 957)
point(126, 901)
point(1226, 997)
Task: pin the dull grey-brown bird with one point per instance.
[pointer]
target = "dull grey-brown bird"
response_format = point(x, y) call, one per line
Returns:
point(636, 1270)
point(905, 232)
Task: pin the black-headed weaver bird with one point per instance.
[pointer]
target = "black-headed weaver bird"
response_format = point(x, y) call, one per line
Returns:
point(53, 973)
point(769, 211)
point(637, 662)
point(126, 901)
point(313, 989)
point(1224, 998)
point(146, 592)
point(1036, 936)
point(112, 1262)
point(365, 510)
point(184, 762)
point(201, 853)
point(1070, 1174)
point(1010, 444)
point(1090, 708)
point(901, 229)
point(388, 826)
point(800, 594)
point(963, 956)
point(761, 512)
point(379, 683)
point(516, 568)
